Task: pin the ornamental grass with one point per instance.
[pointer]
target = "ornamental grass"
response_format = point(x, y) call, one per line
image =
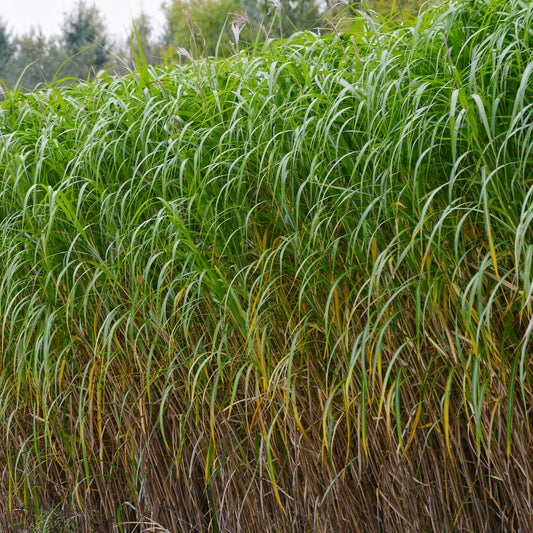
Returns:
point(290, 290)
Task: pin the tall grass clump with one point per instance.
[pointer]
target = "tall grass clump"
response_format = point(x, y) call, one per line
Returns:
point(287, 291)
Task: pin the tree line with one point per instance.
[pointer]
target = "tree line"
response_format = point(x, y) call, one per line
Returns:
point(195, 28)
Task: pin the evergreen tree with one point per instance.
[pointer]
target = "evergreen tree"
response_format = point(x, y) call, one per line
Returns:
point(7, 48)
point(84, 39)
point(140, 40)
point(35, 60)
point(81, 48)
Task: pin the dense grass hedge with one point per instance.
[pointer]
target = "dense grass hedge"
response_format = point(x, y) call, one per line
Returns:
point(290, 290)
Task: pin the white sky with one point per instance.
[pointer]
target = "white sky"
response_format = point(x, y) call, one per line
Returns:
point(20, 15)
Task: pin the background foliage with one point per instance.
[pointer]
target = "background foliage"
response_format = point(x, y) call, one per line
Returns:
point(203, 28)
